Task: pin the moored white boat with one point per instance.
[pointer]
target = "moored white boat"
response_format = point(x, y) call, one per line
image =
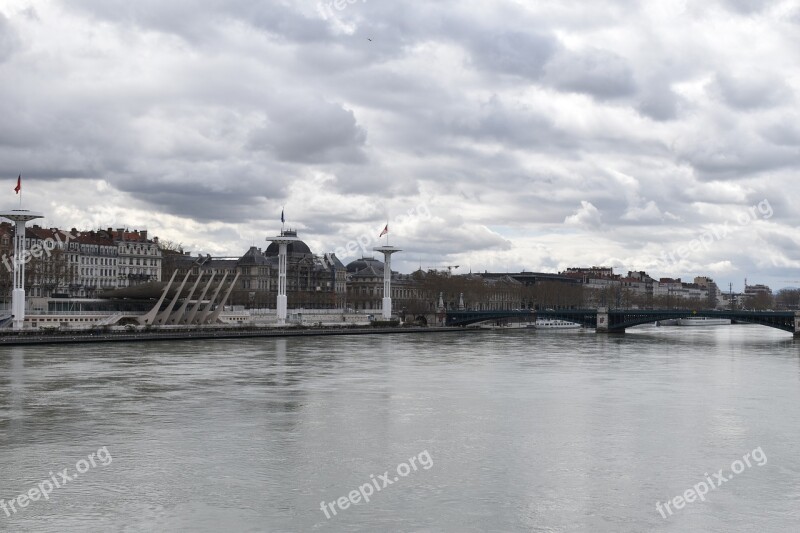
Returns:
point(546, 323)
point(704, 321)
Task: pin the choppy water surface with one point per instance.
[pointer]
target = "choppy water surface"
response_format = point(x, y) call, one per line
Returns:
point(510, 431)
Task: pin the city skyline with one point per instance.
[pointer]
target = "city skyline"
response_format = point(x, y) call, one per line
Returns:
point(59, 238)
point(538, 137)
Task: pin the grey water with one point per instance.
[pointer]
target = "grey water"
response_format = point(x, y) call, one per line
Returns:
point(506, 430)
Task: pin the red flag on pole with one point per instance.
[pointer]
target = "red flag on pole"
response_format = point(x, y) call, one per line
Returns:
point(19, 184)
point(384, 232)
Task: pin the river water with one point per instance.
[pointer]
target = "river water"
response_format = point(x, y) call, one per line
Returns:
point(506, 431)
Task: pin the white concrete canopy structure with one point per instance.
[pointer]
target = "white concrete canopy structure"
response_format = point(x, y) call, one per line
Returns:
point(387, 252)
point(20, 217)
point(282, 240)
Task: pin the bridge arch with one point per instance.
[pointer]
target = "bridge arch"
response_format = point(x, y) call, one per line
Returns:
point(620, 319)
point(465, 318)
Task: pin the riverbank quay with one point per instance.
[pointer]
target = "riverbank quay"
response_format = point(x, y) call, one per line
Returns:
point(78, 337)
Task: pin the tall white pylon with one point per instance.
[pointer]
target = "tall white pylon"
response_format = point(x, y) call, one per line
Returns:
point(20, 217)
point(387, 252)
point(283, 240)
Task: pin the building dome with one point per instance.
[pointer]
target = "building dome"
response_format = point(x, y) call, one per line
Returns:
point(253, 257)
point(364, 262)
point(296, 247)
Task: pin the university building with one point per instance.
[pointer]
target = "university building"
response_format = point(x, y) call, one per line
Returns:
point(312, 281)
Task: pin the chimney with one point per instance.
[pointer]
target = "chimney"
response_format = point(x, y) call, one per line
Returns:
point(143, 233)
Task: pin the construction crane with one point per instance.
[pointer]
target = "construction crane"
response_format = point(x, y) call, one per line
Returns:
point(448, 267)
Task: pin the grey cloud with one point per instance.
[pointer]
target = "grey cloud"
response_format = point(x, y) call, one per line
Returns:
point(442, 237)
point(747, 7)
point(9, 40)
point(736, 156)
point(658, 100)
point(200, 21)
point(660, 105)
point(587, 215)
point(513, 52)
point(754, 91)
point(595, 72)
point(468, 106)
point(312, 132)
point(181, 17)
point(234, 194)
point(510, 123)
point(783, 133)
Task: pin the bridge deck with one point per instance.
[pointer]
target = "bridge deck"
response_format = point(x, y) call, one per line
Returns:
point(620, 319)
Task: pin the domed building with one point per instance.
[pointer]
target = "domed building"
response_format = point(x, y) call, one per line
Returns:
point(365, 286)
point(312, 281)
point(297, 249)
point(364, 262)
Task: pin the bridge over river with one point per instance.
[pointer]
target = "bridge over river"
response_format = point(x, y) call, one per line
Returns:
point(605, 320)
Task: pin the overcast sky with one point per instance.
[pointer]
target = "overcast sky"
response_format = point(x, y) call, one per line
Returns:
point(530, 135)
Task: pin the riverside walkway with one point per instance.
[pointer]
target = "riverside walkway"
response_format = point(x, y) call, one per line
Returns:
point(75, 337)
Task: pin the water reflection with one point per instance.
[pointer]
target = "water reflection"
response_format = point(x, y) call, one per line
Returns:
point(16, 391)
point(528, 430)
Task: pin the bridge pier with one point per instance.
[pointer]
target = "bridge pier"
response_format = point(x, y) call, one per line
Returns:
point(602, 320)
point(603, 324)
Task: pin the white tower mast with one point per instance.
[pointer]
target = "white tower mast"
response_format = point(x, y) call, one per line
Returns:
point(387, 252)
point(20, 217)
point(283, 241)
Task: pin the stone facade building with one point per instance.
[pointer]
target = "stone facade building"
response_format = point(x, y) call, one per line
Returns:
point(313, 281)
point(81, 264)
